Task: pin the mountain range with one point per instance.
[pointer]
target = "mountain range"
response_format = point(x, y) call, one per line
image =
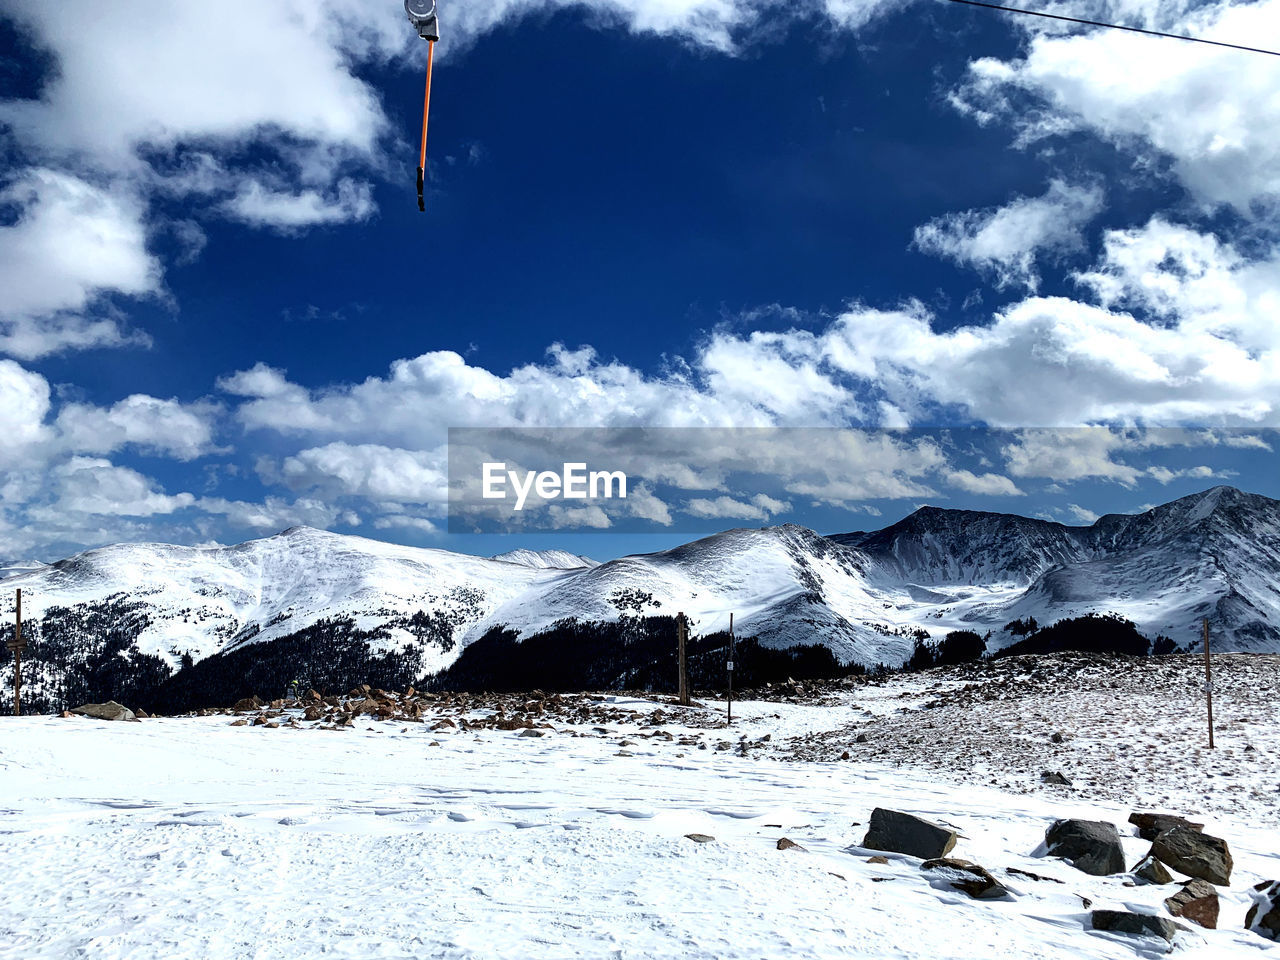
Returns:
point(863, 595)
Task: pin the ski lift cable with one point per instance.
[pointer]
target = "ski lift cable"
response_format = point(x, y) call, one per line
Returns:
point(1114, 26)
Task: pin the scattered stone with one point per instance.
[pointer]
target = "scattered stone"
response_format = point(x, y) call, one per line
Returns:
point(1050, 776)
point(67, 715)
point(104, 711)
point(786, 844)
point(845, 755)
point(1196, 901)
point(247, 704)
point(861, 738)
point(1195, 854)
point(531, 732)
point(969, 877)
point(699, 838)
point(1092, 846)
point(1152, 871)
point(1058, 737)
point(1137, 924)
point(242, 722)
point(879, 860)
point(1151, 825)
point(313, 712)
point(903, 833)
point(1263, 917)
point(142, 715)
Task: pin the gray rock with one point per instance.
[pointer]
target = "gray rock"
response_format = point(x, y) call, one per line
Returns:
point(903, 833)
point(699, 837)
point(1119, 921)
point(1263, 917)
point(788, 844)
point(532, 732)
point(104, 711)
point(1195, 854)
point(968, 877)
point(1054, 777)
point(1151, 825)
point(1196, 901)
point(1092, 846)
point(1152, 871)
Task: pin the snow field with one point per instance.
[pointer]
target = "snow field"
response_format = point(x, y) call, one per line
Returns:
point(187, 838)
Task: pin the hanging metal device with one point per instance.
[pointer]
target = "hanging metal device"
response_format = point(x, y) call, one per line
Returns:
point(422, 14)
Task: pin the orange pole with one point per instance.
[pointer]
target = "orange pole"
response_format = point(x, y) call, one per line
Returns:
point(426, 105)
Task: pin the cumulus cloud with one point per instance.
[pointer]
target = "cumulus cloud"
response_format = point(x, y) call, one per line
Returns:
point(1208, 112)
point(375, 472)
point(70, 243)
point(760, 507)
point(1005, 242)
point(96, 487)
point(164, 427)
point(987, 484)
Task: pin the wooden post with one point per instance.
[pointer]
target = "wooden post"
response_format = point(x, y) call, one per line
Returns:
point(16, 647)
point(731, 652)
point(1208, 680)
point(682, 632)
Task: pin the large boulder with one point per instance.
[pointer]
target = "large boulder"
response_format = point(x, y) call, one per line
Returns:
point(1195, 854)
point(104, 711)
point(1196, 901)
point(1151, 825)
point(904, 833)
point(1136, 924)
point(966, 876)
point(1263, 917)
point(1092, 846)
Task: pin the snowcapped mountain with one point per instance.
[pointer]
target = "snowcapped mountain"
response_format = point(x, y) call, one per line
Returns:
point(16, 568)
point(1215, 555)
point(204, 600)
point(546, 559)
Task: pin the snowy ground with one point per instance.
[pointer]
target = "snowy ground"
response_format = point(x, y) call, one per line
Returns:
point(189, 838)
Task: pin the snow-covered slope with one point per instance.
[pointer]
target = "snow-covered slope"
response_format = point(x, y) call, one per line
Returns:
point(786, 585)
point(547, 559)
point(16, 568)
point(1215, 554)
point(202, 600)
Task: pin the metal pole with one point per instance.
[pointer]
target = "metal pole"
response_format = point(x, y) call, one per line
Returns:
point(1208, 680)
point(731, 652)
point(17, 659)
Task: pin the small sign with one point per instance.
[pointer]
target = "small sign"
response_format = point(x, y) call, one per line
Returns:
point(16, 647)
point(1208, 687)
point(730, 664)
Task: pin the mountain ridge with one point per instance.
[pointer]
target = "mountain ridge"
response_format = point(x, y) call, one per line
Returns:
point(865, 596)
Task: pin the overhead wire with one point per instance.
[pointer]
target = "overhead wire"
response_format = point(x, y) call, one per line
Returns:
point(1114, 26)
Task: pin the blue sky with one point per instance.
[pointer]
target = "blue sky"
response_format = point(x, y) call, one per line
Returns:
point(221, 313)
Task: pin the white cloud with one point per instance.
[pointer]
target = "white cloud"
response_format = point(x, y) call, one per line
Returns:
point(367, 470)
point(1005, 242)
point(164, 427)
point(96, 487)
point(1209, 111)
point(988, 484)
point(276, 513)
point(261, 206)
point(760, 507)
point(70, 244)
point(1081, 515)
point(24, 404)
